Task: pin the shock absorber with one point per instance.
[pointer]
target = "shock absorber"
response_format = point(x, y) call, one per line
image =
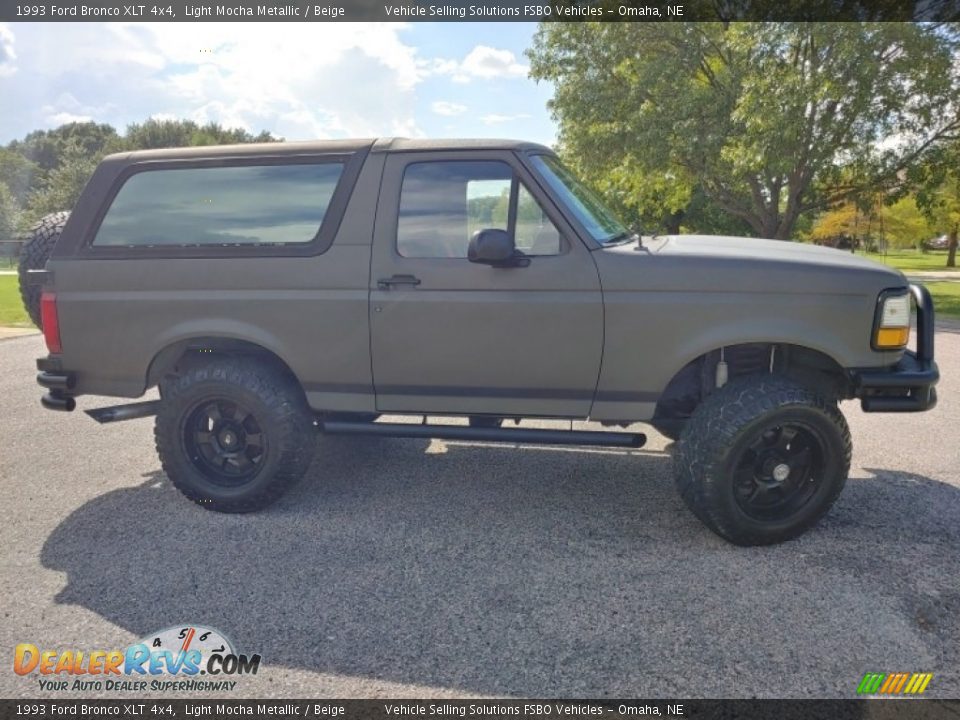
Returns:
point(722, 370)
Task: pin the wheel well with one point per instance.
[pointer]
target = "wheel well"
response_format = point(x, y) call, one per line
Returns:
point(178, 357)
point(698, 378)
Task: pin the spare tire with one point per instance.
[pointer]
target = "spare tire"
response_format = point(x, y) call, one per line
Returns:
point(36, 249)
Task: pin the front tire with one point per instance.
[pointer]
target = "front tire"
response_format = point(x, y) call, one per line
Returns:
point(762, 460)
point(233, 435)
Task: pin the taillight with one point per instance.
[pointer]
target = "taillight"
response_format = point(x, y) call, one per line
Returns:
point(51, 323)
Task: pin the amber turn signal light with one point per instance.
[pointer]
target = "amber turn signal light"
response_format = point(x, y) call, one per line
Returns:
point(892, 337)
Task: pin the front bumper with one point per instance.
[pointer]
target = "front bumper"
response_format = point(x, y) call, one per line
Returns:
point(908, 386)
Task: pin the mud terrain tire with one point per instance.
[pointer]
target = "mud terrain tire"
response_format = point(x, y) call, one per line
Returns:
point(762, 460)
point(234, 434)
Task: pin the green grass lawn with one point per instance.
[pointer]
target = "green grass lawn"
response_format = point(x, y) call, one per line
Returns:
point(946, 298)
point(908, 260)
point(11, 309)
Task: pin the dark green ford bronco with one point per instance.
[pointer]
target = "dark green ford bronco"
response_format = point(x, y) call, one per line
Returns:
point(274, 290)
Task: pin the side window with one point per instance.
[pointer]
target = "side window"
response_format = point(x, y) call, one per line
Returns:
point(535, 234)
point(488, 206)
point(225, 206)
point(442, 204)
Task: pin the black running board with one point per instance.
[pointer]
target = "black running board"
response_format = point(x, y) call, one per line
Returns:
point(115, 413)
point(528, 436)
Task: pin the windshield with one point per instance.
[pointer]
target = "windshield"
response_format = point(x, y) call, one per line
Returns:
point(598, 220)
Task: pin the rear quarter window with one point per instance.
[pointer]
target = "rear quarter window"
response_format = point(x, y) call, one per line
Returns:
point(243, 205)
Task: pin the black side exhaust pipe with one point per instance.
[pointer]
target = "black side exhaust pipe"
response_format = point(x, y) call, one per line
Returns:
point(115, 413)
point(530, 436)
point(56, 401)
point(56, 381)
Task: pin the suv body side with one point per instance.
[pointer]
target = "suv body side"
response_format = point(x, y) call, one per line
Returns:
point(122, 311)
point(588, 332)
point(470, 338)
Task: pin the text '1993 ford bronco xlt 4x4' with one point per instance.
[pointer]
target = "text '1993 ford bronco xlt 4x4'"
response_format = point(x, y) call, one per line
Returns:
point(270, 290)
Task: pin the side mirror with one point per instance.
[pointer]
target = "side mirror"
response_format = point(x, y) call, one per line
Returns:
point(496, 248)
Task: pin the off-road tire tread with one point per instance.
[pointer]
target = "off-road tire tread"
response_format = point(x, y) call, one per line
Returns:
point(714, 428)
point(289, 426)
point(34, 253)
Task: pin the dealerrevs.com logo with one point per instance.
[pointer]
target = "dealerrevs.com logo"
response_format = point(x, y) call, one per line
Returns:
point(170, 660)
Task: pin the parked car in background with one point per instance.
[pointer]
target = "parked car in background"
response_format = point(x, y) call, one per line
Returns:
point(938, 243)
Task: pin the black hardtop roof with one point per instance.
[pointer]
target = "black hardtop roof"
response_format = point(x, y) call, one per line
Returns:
point(323, 146)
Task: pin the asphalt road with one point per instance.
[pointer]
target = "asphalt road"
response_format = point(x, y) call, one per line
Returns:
point(406, 568)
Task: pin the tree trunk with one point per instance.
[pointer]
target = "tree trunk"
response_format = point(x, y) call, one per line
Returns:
point(770, 225)
point(672, 222)
point(952, 248)
point(783, 231)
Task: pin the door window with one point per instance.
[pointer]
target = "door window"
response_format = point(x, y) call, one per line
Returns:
point(442, 204)
point(535, 234)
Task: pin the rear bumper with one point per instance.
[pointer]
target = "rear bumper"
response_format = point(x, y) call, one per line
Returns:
point(908, 386)
point(59, 383)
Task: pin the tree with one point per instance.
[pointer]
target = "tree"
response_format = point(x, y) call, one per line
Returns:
point(18, 174)
point(182, 133)
point(46, 171)
point(769, 120)
point(941, 204)
point(63, 185)
point(938, 194)
point(9, 219)
point(46, 147)
point(899, 224)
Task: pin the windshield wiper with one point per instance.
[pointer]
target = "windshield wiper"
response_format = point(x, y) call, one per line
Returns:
point(625, 237)
point(621, 237)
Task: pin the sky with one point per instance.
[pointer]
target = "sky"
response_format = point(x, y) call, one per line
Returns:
point(296, 80)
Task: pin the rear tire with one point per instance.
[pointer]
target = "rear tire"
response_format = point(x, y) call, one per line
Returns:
point(34, 255)
point(762, 460)
point(234, 434)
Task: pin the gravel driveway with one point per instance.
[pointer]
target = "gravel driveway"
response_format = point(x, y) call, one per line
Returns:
point(408, 568)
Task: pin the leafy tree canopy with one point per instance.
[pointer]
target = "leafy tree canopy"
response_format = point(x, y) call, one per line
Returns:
point(9, 219)
point(900, 224)
point(182, 133)
point(18, 174)
point(46, 170)
point(46, 147)
point(768, 120)
point(62, 186)
point(938, 194)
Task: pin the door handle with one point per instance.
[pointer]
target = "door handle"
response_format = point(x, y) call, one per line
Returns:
point(387, 283)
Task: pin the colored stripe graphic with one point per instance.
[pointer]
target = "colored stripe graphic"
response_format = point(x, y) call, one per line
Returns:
point(870, 683)
point(888, 683)
point(901, 680)
point(894, 683)
point(927, 677)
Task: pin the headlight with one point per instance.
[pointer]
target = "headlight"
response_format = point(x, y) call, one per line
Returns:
point(892, 324)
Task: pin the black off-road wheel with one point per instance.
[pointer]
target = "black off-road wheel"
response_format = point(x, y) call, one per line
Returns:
point(762, 460)
point(234, 434)
point(33, 256)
